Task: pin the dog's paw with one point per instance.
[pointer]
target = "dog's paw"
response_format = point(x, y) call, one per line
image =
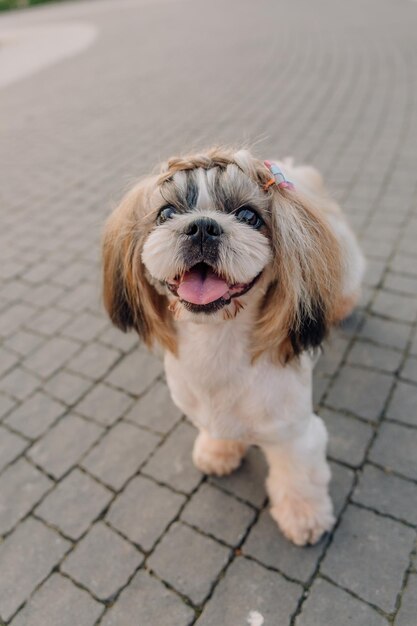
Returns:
point(217, 456)
point(304, 522)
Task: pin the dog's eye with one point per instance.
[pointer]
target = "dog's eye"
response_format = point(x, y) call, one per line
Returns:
point(165, 214)
point(249, 217)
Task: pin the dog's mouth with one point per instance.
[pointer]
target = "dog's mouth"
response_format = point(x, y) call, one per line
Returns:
point(201, 289)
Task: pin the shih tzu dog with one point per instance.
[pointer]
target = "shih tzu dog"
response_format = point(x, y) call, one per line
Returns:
point(238, 275)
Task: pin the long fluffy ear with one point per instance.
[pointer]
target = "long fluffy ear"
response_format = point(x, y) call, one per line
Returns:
point(303, 296)
point(130, 300)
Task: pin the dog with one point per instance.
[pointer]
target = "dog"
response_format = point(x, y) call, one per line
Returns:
point(238, 274)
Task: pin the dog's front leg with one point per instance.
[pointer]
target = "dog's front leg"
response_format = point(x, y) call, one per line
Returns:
point(217, 456)
point(298, 484)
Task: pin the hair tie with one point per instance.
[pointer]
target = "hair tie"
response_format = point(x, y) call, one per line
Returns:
point(278, 177)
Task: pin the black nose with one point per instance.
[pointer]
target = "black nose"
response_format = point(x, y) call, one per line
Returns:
point(203, 230)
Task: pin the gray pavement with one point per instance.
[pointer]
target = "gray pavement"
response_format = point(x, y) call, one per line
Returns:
point(103, 518)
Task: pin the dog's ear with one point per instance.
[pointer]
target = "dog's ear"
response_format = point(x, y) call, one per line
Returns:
point(305, 286)
point(130, 300)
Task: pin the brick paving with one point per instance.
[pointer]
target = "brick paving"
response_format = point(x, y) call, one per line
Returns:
point(104, 520)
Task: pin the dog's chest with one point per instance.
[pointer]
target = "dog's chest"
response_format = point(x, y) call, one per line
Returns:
point(215, 384)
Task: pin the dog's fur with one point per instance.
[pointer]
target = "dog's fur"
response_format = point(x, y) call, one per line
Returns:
point(240, 369)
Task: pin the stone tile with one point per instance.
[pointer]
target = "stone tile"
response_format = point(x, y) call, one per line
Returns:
point(6, 405)
point(28, 556)
point(48, 322)
point(67, 387)
point(14, 317)
point(218, 514)
point(400, 284)
point(120, 341)
point(387, 494)
point(104, 404)
point(19, 383)
point(7, 361)
point(136, 372)
point(172, 463)
point(266, 543)
point(403, 404)
point(248, 481)
point(193, 548)
point(94, 361)
point(374, 272)
point(250, 594)
point(375, 357)
point(58, 602)
point(385, 332)
point(143, 511)
point(74, 504)
point(333, 352)
point(409, 370)
point(348, 437)
point(85, 327)
point(395, 306)
point(324, 601)
point(395, 448)
point(371, 392)
point(155, 410)
point(21, 487)
point(51, 356)
point(147, 601)
point(408, 610)
point(119, 454)
point(11, 446)
point(320, 386)
point(89, 562)
point(369, 556)
point(64, 445)
point(35, 415)
point(404, 264)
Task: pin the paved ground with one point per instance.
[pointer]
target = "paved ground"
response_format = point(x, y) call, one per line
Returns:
point(104, 520)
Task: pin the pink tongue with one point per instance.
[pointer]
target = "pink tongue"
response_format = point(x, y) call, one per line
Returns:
point(197, 289)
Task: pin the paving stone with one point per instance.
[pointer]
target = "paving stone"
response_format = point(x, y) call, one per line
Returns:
point(21, 487)
point(374, 272)
point(147, 601)
point(19, 383)
point(104, 404)
point(58, 602)
point(74, 504)
point(155, 410)
point(403, 404)
point(320, 385)
point(51, 356)
point(369, 556)
point(332, 356)
point(11, 446)
point(250, 594)
point(218, 514)
point(93, 361)
point(34, 416)
point(64, 444)
point(375, 357)
point(403, 263)
point(248, 481)
point(371, 392)
point(119, 454)
point(143, 511)
point(48, 322)
point(7, 361)
point(103, 572)
point(28, 556)
point(400, 457)
point(6, 405)
point(136, 372)
point(400, 283)
point(85, 327)
point(266, 543)
point(408, 610)
point(14, 317)
point(409, 370)
point(120, 341)
point(385, 332)
point(395, 306)
point(193, 548)
point(387, 494)
point(324, 601)
point(172, 463)
point(67, 387)
point(348, 437)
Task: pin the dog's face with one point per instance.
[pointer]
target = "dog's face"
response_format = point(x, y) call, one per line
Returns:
point(204, 239)
point(210, 241)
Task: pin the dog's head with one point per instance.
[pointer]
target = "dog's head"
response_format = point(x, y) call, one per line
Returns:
point(204, 238)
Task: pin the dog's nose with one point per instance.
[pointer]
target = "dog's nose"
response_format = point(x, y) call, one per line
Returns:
point(204, 229)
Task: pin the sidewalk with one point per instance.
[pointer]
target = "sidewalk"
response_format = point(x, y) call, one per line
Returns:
point(103, 517)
